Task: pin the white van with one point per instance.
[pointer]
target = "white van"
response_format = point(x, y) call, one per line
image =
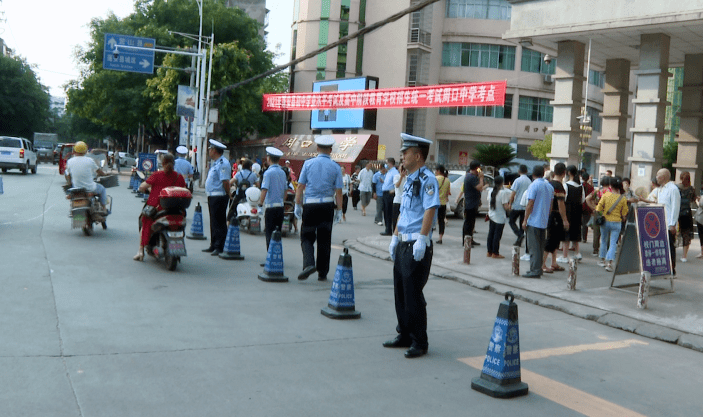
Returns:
point(17, 153)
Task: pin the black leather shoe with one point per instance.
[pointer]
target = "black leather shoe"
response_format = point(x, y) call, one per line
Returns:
point(322, 278)
point(385, 234)
point(262, 264)
point(306, 272)
point(474, 243)
point(210, 249)
point(215, 252)
point(415, 352)
point(398, 342)
point(532, 275)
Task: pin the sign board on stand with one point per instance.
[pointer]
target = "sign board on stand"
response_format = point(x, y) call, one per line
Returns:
point(147, 162)
point(644, 247)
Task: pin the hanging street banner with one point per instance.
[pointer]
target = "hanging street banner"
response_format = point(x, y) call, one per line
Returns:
point(445, 95)
point(185, 106)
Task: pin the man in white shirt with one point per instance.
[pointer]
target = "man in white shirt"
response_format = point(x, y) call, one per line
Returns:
point(365, 187)
point(81, 171)
point(517, 212)
point(670, 197)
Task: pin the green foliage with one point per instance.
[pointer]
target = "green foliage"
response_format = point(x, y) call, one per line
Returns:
point(671, 149)
point(24, 102)
point(540, 148)
point(122, 101)
point(497, 156)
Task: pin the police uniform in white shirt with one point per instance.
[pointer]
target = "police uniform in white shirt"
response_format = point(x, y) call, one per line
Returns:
point(218, 198)
point(273, 188)
point(411, 249)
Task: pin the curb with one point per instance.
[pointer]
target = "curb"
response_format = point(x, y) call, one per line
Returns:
point(604, 317)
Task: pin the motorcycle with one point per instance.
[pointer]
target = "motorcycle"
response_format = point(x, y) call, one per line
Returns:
point(248, 214)
point(167, 241)
point(288, 212)
point(86, 208)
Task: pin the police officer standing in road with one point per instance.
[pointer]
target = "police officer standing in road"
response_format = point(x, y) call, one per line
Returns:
point(273, 193)
point(217, 190)
point(321, 181)
point(183, 166)
point(411, 247)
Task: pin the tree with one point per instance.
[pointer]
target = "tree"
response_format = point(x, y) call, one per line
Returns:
point(24, 101)
point(497, 156)
point(671, 151)
point(540, 148)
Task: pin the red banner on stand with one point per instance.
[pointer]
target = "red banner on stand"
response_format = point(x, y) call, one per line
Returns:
point(445, 95)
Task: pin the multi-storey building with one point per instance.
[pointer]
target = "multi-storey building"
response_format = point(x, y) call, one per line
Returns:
point(256, 9)
point(449, 42)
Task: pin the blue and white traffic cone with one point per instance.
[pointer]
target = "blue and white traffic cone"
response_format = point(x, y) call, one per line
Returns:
point(500, 376)
point(273, 269)
point(130, 186)
point(232, 245)
point(341, 302)
point(196, 228)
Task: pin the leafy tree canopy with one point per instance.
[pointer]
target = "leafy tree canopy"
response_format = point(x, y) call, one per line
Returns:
point(494, 155)
point(540, 148)
point(24, 101)
point(671, 150)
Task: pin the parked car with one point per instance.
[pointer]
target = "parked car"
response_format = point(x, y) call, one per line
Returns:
point(127, 159)
point(457, 182)
point(17, 153)
point(57, 153)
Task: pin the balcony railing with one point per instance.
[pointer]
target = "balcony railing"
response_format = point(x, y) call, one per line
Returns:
point(420, 36)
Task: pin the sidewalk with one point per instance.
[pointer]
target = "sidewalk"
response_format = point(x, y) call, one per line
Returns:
point(676, 317)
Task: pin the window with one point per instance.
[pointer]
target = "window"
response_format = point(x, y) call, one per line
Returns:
point(535, 108)
point(343, 31)
point(498, 112)
point(478, 9)
point(596, 119)
point(533, 61)
point(596, 78)
point(478, 55)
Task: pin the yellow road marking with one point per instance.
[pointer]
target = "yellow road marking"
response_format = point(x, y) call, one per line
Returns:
point(562, 394)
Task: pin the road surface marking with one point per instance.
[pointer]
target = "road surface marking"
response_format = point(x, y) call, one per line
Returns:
point(562, 394)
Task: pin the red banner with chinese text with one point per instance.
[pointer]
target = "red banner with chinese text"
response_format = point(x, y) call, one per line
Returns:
point(445, 95)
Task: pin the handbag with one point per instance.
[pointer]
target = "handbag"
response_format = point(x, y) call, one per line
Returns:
point(600, 218)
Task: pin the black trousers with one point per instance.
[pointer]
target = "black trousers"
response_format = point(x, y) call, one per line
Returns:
point(273, 218)
point(495, 233)
point(672, 249)
point(518, 215)
point(218, 221)
point(441, 216)
point(409, 279)
point(356, 196)
point(317, 226)
point(388, 211)
point(469, 223)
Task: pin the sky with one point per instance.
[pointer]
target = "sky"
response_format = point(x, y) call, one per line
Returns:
point(46, 32)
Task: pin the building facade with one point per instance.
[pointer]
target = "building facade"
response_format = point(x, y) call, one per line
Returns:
point(256, 9)
point(451, 41)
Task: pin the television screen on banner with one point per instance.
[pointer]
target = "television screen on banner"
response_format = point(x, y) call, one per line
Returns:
point(344, 119)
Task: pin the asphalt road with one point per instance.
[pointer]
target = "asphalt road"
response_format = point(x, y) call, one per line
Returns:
point(86, 331)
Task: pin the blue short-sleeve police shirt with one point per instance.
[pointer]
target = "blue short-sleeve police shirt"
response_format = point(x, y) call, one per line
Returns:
point(321, 176)
point(275, 184)
point(421, 193)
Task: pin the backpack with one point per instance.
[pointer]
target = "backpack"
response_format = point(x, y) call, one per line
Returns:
point(243, 185)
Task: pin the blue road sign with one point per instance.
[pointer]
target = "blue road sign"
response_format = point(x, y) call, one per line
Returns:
point(127, 58)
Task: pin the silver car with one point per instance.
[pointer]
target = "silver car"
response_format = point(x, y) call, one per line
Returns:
point(127, 160)
point(457, 182)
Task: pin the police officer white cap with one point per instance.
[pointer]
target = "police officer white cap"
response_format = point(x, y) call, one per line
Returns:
point(217, 144)
point(273, 151)
point(182, 150)
point(410, 141)
point(325, 141)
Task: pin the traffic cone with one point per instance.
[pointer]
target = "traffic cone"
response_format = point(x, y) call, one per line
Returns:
point(131, 182)
point(500, 377)
point(273, 269)
point(196, 229)
point(231, 249)
point(341, 302)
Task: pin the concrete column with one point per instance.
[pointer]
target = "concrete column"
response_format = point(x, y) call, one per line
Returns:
point(650, 109)
point(690, 153)
point(615, 103)
point(568, 100)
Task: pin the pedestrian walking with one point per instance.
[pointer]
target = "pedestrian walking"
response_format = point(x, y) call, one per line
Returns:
point(498, 207)
point(575, 197)
point(355, 193)
point(688, 198)
point(517, 210)
point(365, 187)
point(217, 190)
point(698, 217)
point(398, 183)
point(321, 183)
point(613, 206)
point(346, 185)
point(473, 185)
point(378, 178)
point(670, 197)
point(539, 203)
point(273, 193)
point(411, 248)
point(558, 222)
point(444, 190)
point(388, 194)
point(586, 211)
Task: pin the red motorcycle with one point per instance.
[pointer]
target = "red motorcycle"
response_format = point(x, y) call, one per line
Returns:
point(167, 241)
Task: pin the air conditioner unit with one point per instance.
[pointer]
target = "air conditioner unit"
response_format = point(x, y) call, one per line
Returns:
point(548, 79)
point(414, 35)
point(411, 83)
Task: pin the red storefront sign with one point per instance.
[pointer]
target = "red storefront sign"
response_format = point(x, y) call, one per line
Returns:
point(445, 95)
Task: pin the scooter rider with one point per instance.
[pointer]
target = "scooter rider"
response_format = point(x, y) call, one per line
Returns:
point(81, 171)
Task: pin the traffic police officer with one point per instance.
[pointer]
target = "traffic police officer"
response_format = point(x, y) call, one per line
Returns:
point(273, 193)
point(182, 166)
point(217, 190)
point(411, 247)
point(321, 181)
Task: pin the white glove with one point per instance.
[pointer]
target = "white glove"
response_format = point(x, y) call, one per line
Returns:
point(419, 247)
point(337, 216)
point(392, 246)
point(298, 211)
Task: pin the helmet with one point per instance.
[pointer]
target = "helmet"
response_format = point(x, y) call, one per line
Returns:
point(253, 194)
point(80, 147)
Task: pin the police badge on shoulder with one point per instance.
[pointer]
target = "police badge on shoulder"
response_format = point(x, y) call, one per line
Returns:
point(429, 189)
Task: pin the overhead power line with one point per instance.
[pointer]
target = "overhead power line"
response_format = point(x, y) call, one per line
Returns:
point(341, 41)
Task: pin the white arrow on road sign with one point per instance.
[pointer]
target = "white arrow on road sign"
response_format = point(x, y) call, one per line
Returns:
point(144, 63)
point(112, 42)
